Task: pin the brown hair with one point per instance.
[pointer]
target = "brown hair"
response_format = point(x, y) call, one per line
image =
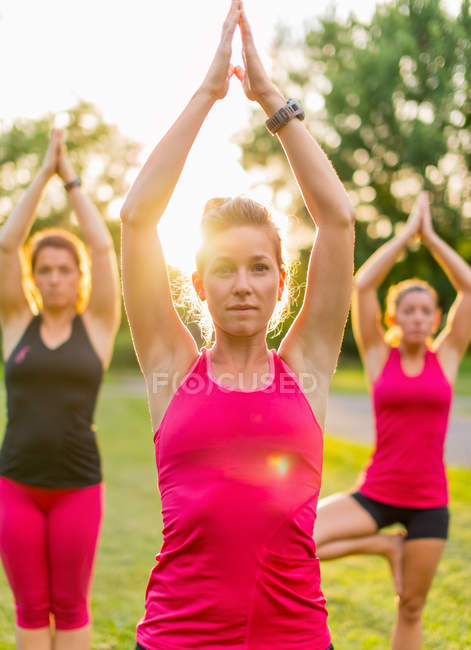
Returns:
point(55, 238)
point(221, 214)
point(396, 293)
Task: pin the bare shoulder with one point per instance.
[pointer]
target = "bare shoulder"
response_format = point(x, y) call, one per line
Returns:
point(13, 329)
point(164, 378)
point(313, 382)
point(101, 334)
point(448, 357)
point(374, 358)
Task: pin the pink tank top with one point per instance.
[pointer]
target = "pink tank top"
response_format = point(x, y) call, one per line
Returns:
point(239, 477)
point(407, 467)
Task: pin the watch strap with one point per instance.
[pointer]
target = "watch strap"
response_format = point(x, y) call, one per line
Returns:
point(76, 182)
point(283, 115)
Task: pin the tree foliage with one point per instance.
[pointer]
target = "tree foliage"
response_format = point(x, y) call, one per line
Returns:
point(390, 102)
point(99, 152)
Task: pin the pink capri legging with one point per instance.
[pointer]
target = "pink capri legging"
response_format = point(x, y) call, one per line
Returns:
point(48, 539)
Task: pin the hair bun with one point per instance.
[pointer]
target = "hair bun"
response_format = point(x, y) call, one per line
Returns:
point(214, 204)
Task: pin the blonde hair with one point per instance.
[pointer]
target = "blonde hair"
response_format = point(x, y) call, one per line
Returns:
point(395, 294)
point(55, 238)
point(221, 214)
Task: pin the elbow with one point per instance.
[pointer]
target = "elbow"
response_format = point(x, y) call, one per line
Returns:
point(6, 247)
point(133, 215)
point(344, 217)
point(127, 214)
point(347, 216)
point(361, 283)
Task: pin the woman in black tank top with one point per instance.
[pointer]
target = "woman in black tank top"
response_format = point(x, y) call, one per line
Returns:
point(50, 475)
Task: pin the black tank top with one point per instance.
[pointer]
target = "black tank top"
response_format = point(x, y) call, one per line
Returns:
point(51, 395)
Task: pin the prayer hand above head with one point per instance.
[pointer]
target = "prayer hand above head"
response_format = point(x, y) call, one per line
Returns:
point(64, 166)
point(216, 82)
point(255, 81)
point(51, 159)
point(426, 226)
point(414, 222)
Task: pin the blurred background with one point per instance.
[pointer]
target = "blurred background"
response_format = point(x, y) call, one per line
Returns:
point(387, 92)
point(386, 89)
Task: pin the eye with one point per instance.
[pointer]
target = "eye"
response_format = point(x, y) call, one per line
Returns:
point(260, 267)
point(223, 269)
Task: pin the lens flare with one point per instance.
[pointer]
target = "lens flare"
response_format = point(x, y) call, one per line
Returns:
point(279, 463)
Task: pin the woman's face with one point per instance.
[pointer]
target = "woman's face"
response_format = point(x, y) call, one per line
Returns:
point(241, 280)
point(57, 277)
point(417, 315)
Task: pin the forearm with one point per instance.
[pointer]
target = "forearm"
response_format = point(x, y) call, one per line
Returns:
point(17, 226)
point(156, 182)
point(375, 269)
point(323, 193)
point(457, 270)
point(94, 231)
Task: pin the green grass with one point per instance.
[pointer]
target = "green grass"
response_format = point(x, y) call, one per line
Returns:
point(358, 589)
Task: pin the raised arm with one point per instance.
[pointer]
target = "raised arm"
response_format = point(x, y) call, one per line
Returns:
point(366, 311)
point(317, 332)
point(103, 311)
point(452, 342)
point(160, 338)
point(14, 309)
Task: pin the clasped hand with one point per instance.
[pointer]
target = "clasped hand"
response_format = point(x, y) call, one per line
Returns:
point(420, 219)
point(56, 160)
point(253, 76)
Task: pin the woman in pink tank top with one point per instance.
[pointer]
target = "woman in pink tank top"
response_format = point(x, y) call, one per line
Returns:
point(411, 381)
point(238, 437)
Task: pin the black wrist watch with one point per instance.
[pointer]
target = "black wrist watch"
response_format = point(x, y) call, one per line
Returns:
point(283, 115)
point(76, 182)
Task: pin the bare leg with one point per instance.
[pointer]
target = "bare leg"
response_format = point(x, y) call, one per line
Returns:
point(79, 639)
point(38, 639)
point(344, 527)
point(389, 546)
point(420, 562)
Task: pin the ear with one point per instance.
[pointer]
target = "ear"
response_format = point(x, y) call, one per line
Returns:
point(281, 284)
point(198, 285)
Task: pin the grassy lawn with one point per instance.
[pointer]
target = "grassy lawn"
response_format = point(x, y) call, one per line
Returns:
point(358, 589)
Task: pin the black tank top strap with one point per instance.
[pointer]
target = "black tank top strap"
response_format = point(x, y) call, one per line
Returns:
point(28, 335)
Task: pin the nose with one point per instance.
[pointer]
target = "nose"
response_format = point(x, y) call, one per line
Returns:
point(54, 278)
point(241, 283)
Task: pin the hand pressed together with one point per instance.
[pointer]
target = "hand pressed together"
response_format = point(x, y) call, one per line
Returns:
point(50, 162)
point(255, 81)
point(420, 220)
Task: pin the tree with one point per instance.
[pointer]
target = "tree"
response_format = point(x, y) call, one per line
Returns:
point(390, 102)
point(99, 152)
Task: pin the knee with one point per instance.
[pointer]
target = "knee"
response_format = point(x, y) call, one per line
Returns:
point(411, 608)
point(32, 617)
point(70, 616)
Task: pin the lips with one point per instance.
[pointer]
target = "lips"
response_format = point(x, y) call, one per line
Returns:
point(241, 308)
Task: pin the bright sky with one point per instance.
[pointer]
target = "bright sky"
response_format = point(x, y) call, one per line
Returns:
point(139, 62)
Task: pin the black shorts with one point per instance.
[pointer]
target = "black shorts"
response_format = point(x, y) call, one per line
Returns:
point(141, 647)
point(419, 522)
